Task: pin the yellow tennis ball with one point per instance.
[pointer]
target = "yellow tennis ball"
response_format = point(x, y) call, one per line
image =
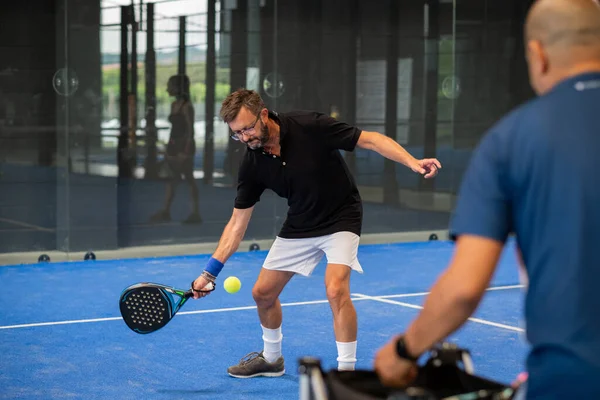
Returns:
point(232, 284)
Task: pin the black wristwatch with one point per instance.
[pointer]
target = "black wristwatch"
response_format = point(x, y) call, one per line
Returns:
point(402, 351)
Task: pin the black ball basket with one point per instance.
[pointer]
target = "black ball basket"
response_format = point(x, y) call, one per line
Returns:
point(440, 378)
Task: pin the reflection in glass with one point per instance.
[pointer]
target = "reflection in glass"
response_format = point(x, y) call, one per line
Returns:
point(65, 82)
point(273, 85)
point(181, 149)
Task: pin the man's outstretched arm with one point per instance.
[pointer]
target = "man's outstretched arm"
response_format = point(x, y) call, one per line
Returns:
point(392, 150)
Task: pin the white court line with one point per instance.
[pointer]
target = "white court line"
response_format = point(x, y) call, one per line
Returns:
point(217, 310)
point(398, 296)
point(478, 320)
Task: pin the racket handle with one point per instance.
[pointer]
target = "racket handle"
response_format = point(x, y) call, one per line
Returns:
point(190, 292)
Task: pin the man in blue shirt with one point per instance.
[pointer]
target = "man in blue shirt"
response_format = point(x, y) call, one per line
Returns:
point(532, 175)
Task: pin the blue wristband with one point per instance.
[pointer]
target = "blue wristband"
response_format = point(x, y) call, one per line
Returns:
point(214, 266)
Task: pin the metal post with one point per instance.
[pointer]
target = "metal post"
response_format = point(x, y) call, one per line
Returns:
point(133, 90)
point(350, 75)
point(209, 140)
point(237, 74)
point(182, 28)
point(123, 146)
point(390, 185)
point(432, 36)
point(150, 166)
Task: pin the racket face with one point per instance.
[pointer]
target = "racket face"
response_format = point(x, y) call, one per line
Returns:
point(146, 308)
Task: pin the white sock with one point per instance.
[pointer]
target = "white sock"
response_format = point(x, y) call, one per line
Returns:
point(346, 355)
point(272, 339)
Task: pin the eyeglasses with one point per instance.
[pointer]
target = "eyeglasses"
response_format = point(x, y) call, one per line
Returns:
point(236, 135)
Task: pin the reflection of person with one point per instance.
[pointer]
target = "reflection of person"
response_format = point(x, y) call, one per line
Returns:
point(297, 156)
point(530, 175)
point(181, 148)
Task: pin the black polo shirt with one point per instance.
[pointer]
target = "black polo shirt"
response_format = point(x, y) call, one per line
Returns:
point(311, 173)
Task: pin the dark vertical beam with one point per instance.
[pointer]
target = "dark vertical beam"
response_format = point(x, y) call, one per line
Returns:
point(305, 34)
point(123, 160)
point(47, 62)
point(150, 166)
point(267, 44)
point(349, 67)
point(141, 20)
point(123, 144)
point(63, 182)
point(133, 90)
point(181, 68)
point(432, 36)
point(134, 66)
point(520, 89)
point(315, 100)
point(276, 47)
point(237, 74)
point(390, 188)
point(254, 25)
point(209, 140)
point(239, 46)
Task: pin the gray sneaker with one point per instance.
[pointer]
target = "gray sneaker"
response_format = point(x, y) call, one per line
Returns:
point(254, 364)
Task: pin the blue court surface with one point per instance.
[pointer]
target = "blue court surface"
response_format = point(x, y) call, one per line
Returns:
point(61, 335)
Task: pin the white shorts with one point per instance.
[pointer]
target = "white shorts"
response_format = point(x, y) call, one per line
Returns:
point(302, 255)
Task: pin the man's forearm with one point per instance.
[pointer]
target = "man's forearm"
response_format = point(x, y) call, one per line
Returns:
point(230, 241)
point(456, 294)
point(445, 310)
point(392, 150)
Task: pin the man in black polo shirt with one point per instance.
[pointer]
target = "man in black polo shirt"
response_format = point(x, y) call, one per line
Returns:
point(297, 156)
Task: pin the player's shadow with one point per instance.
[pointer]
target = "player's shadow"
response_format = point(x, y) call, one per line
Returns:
point(221, 390)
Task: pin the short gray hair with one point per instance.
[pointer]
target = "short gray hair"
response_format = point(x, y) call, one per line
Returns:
point(233, 103)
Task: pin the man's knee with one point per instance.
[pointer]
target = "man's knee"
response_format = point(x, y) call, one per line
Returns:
point(263, 297)
point(337, 290)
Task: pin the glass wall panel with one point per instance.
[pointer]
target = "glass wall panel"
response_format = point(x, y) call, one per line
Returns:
point(110, 136)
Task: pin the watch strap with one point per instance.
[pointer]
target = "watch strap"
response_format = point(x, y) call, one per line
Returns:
point(402, 351)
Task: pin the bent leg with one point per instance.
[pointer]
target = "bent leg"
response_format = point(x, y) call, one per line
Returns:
point(269, 362)
point(337, 284)
point(341, 249)
point(266, 292)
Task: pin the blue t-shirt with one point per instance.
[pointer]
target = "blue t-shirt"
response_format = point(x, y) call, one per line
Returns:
point(534, 175)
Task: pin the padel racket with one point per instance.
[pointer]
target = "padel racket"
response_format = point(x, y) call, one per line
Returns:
point(147, 307)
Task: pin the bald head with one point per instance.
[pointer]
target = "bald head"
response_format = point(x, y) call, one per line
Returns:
point(566, 23)
point(562, 39)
